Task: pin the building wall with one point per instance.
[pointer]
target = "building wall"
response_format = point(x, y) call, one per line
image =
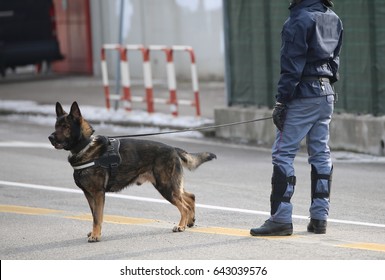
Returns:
point(197, 23)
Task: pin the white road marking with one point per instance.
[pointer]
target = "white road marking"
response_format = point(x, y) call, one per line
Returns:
point(154, 200)
point(20, 144)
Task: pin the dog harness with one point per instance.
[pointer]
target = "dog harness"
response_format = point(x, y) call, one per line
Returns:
point(110, 160)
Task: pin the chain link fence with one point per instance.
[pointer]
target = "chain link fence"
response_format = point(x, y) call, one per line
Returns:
point(252, 43)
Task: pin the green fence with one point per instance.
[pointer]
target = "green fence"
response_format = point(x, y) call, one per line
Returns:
point(252, 34)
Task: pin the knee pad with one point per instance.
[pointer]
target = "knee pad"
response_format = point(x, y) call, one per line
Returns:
point(314, 181)
point(279, 183)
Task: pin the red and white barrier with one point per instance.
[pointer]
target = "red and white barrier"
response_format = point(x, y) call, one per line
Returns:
point(194, 78)
point(171, 79)
point(149, 99)
point(106, 85)
point(127, 98)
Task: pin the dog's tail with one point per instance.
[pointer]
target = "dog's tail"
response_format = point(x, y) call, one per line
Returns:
point(193, 160)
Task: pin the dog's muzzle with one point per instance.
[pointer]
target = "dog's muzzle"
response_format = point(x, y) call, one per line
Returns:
point(54, 142)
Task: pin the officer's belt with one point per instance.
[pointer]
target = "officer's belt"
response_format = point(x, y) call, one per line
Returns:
point(316, 78)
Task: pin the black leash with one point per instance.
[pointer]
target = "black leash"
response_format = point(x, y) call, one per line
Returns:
point(190, 129)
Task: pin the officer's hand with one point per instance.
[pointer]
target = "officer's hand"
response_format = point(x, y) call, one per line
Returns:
point(279, 115)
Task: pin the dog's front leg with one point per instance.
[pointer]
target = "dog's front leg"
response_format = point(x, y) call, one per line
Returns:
point(97, 209)
point(90, 200)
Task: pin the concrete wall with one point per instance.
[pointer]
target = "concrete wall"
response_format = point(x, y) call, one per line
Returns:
point(363, 134)
point(197, 23)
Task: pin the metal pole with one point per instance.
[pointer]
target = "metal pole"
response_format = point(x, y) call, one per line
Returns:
point(120, 41)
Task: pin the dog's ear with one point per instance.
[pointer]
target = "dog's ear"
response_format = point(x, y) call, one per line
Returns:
point(59, 110)
point(75, 111)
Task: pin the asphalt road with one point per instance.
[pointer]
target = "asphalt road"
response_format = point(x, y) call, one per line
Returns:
point(43, 215)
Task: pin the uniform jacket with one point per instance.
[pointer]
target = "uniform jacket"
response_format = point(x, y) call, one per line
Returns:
point(311, 44)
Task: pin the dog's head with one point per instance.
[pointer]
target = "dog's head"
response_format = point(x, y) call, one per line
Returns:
point(70, 129)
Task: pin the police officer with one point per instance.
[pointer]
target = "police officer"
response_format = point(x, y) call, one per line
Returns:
point(311, 43)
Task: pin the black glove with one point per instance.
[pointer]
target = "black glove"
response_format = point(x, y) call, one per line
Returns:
point(328, 3)
point(279, 115)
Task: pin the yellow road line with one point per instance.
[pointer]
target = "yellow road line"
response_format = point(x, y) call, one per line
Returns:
point(364, 246)
point(140, 221)
point(26, 210)
point(223, 231)
point(114, 219)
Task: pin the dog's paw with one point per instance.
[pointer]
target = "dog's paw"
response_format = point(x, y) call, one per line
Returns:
point(192, 223)
point(93, 238)
point(178, 229)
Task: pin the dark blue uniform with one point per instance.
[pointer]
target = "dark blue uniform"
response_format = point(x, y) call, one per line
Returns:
point(311, 44)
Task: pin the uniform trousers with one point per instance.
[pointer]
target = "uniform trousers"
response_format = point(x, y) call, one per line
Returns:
point(308, 117)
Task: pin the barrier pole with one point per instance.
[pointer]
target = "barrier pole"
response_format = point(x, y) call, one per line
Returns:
point(126, 83)
point(103, 62)
point(147, 79)
point(171, 78)
point(194, 79)
point(106, 86)
point(194, 76)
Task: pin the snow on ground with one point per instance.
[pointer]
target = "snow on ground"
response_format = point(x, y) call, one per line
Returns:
point(102, 115)
point(119, 122)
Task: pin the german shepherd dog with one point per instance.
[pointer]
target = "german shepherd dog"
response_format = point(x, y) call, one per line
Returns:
point(102, 164)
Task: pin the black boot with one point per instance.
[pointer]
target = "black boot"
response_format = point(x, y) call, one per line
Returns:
point(317, 226)
point(279, 183)
point(270, 228)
